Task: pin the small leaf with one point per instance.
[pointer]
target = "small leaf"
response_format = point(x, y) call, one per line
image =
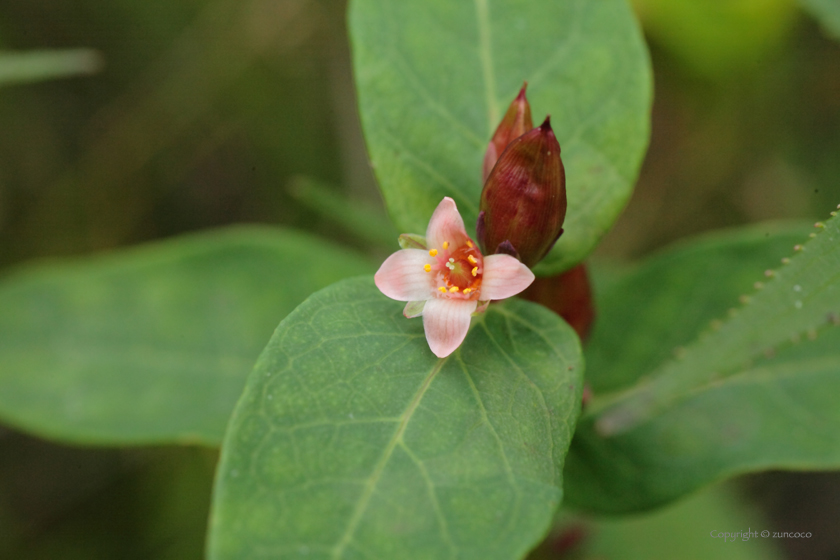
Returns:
point(34, 66)
point(412, 241)
point(352, 440)
point(435, 76)
point(755, 392)
point(153, 344)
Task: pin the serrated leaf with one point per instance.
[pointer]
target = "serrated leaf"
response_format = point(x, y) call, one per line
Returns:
point(757, 393)
point(34, 66)
point(435, 76)
point(827, 13)
point(666, 301)
point(352, 440)
point(153, 344)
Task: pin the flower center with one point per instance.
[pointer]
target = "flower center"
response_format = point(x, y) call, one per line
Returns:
point(457, 270)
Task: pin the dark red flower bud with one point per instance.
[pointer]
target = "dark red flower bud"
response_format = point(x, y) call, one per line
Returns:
point(569, 295)
point(516, 122)
point(524, 199)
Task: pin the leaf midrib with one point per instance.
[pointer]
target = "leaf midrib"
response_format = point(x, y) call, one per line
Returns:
point(486, 54)
point(373, 480)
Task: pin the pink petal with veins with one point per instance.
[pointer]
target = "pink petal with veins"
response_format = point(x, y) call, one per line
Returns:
point(446, 225)
point(446, 322)
point(504, 276)
point(402, 277)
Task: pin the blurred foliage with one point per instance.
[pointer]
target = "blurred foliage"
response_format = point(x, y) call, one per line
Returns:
point(828, 12)
point(717, 37)
point(755, 145)
point(60, 502)
point(207, 109)
point(681, 530)
point(33, 66)
point(153, 344)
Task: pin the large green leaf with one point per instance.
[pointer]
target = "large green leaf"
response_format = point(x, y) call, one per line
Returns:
point(827, 12)
point(756, 391)
point(154, 344)
point(352, 440)
point(435, 76)
point(33, 66)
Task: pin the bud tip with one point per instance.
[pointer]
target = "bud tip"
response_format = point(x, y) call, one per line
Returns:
point(546, 125)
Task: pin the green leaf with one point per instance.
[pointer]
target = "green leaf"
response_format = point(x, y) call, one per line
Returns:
point(153, 344)
point(435, 76)
point(758, 392)
point(694, 529)
point(827, 13)
point(662, 305)
point(352, 440)
point(36, 66)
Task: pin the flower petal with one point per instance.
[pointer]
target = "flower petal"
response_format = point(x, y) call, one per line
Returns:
point(504, 276)
point(446, 322)
point(446, 225)
point(401, 276)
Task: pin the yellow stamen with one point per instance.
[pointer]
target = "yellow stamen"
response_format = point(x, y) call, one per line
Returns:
point(467, 290)
point(475, 271)
point(469, 244)
point(446, 244)
point(442, 289)
point(453, 289)
point(427, 268)
point(433, 253)
point(472, 259)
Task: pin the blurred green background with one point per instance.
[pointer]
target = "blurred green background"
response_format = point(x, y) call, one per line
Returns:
point(212, 112)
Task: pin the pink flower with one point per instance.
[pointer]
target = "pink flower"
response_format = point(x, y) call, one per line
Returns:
point(445, 278)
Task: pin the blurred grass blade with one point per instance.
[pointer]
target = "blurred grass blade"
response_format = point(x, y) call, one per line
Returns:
point(360, 219)
point(352, 440)
point(35, 66)
point(152, 345)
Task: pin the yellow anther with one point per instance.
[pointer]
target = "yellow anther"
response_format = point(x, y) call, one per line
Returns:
point(469, 244)
point(453, 289)
point(427, 268)
point(472, 259)
point(433, 253)
point(446, 244)
point(475, 271)
point(467, 290)
point(442, 289)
